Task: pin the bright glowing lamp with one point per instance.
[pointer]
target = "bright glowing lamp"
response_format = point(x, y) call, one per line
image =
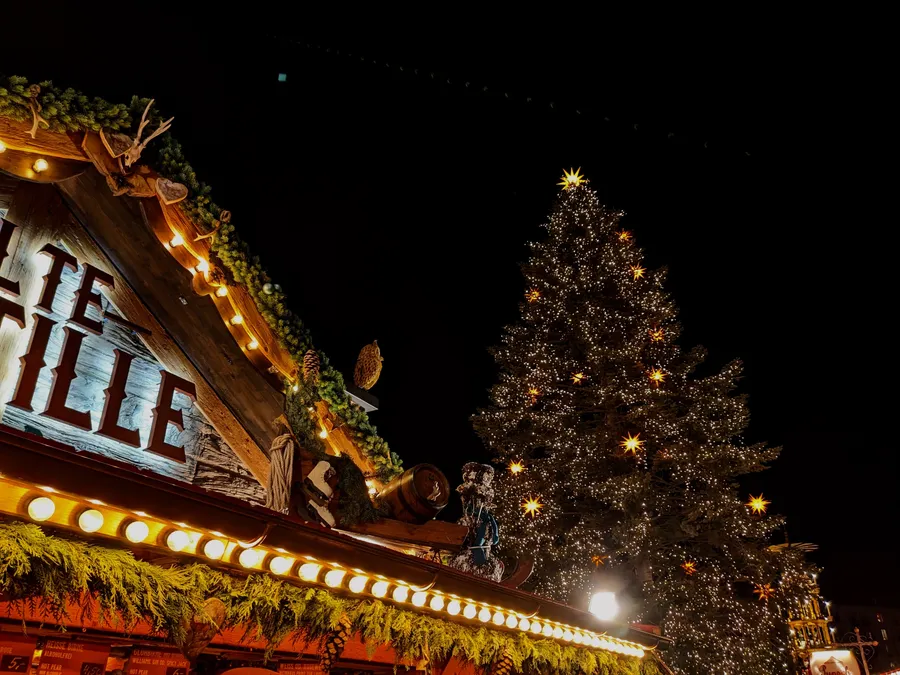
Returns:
point(214, 549)
point(524, 624)
point(548, 630)
point(604, 606)
point(178, 540)
point(249, 557)
point(557, 632)
point(380, 589)
point(136, 531)
point(484, 615)
point(511, 621)
point(280, 565)
point(400, 594)
point(418, 598)
point(498, 618)
point(470, 611)
point(40, 165)
point(437, 603)
point(309, 571)
point(90, 520)
point(358, 584)
point(453, 607)
point(41, 508)
point(536, 627)
point(333, 578)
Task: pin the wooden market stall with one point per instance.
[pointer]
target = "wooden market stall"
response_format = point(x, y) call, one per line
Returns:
point(185, 482)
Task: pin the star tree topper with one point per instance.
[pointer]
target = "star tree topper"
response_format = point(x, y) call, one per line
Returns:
point(572, 179)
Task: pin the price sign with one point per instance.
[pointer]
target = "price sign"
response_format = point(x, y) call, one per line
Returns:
point(157, 662)
point(16, 652)
point(65, 657)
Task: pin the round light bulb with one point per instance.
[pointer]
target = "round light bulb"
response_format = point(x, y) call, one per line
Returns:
point(536, 627)
point(177, 240)
point(380, 589)
point(524, 624)
point(90, 520)
point(400, 594)
point(41, 508)
point(639, 652)
point(437, 603)
point(576, 638)
point(595, 642)
point(358, 584)
point(567, 635)
point(418, 598)
point(214, 549)
point(280, 565)
point(309, 571)
point(237, 319)
point(547, 630)
point(604, 605)
point(203, 266)
point(498, 618)
point(136, 531)
point(40, 165)
point(249, 557)
point(2, 147)
point(453, 607)
point(178, 540)
point(511, 621)
point(334, 578)
point(484, 615)
point(557, 632)
point(470, 611)
point(222, 291)
point(253, 344)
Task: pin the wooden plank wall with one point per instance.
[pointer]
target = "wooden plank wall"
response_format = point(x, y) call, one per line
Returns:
point(119, 227)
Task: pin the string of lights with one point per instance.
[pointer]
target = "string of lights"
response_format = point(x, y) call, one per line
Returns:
point(633, 462)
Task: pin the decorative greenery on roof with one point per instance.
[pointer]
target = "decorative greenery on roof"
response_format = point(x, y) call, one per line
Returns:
point(67, 110)
point(55, 574)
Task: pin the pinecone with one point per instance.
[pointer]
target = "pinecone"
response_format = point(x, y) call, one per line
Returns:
point(311, 366)
point(504, 665)
point(334, 644)
point(368, 366)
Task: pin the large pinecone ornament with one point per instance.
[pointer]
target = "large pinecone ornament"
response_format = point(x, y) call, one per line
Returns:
point(334, 645)
point(504, 666)
point(368, 366)
point(201, 629)
point(311, 366)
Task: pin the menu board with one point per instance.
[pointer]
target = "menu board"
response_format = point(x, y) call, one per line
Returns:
point(298, 667)
point(66, 657)
point(156, 662)
point(16, 652)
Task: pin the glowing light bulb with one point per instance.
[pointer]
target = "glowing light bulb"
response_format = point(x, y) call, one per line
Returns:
point(309, 571)
point(470, 611)
point(203, 266)
point(178, 540)
point(400, 594)
point(253, 344)
point(576, 638)
point(214, 549)
point(639, 652)
point(249, 557)
point(511, 621)
point(136, 531)
point(453, 607)
point(41, 508)
point(40, 165)
point(418, 598)
point(222, 291)
point(380, 589)
point(323, 433)
point(484, 615)
point(437, 603)
point(604, 606)
point(524, 624)
point(280, 565)
point(498, 618)
point(547, 630)
point(567, 635)
point(177, 240)
point(358, 584)
point(333, 578)
point(2, 147)
point(90, 520)
point(237, 320)
point(536, 627)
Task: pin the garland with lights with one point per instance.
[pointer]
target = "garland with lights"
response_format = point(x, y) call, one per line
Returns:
point(69, 110)
point(616, 451)
point(54, 573)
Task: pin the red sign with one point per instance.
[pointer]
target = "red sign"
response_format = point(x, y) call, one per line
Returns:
point(299, 668)
point(16, 652)
point(157, 662)
point(65, 657)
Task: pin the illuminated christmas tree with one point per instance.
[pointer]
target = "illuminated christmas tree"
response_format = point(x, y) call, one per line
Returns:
point(620, 460)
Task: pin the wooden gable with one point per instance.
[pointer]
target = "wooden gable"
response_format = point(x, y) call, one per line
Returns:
point(218, 452)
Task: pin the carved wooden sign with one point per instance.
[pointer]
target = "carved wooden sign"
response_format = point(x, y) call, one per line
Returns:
point(74, 370)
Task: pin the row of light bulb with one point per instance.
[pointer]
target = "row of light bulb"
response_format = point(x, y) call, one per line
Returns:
point(40, 164)
point(332, 575)
point(221, 291)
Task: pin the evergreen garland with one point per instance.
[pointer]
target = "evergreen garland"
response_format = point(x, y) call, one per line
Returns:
point(52, 573)
point(70, 110)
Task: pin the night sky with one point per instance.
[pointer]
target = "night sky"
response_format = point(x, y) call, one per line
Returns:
point(395, 206)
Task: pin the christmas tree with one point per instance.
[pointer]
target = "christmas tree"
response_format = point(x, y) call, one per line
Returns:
point(621, 462)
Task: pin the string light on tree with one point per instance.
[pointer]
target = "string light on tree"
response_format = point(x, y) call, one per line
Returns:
point(758, 504)
point(532, 506)
point(572, 179)
point(589, 464)
point(632, 444)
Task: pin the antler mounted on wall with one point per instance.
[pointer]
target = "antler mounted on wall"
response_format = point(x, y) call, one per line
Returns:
point(133, 154)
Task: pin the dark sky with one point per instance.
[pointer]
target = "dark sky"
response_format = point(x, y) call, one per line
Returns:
point(395, 206)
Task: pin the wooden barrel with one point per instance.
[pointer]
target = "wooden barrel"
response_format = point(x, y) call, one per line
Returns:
point(417, 495)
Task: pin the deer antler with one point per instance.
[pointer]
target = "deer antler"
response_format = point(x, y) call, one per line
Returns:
point(133, 153)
